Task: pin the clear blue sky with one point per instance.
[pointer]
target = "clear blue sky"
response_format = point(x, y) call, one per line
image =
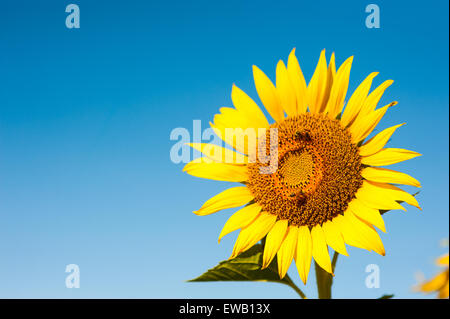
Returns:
point(85, 118)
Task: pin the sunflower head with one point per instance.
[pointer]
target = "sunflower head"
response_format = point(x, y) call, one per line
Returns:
point(325, 187)
point(319, 171)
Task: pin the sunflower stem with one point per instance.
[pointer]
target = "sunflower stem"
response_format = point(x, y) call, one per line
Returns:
point(324, 279)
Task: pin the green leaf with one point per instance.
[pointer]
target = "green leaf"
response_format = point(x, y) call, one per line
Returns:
point(247, 267)
point(387, 296)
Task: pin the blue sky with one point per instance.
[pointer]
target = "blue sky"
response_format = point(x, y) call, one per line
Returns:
point(85, 118)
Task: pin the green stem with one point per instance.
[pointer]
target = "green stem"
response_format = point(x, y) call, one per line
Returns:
point(291, 284)
point(324, 279)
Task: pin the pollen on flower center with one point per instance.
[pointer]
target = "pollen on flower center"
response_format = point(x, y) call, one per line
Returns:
point(297, 168)
point(319, 171)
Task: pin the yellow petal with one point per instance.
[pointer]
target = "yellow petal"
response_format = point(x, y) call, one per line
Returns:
point(232, 197)
point(384, 175)
point(216, 171)
point(273, 241)
point(364, 125)
point(287, 251)
point(286, 90)
point(394, 192)
point(331, 75)
point(240, 127)
point(242, 218)
point(303, 253)
point(246, 105)
point(435, 283)
point(443, 292)
point(216, 153)
point(320, 249)
point(332, 66)
point(356, 100)
point(388, 156)
point(243, 140)
point(443, 260)
point(366, 232)
point(252, 233)
point(339, 89)
point(268, 94)
point(334, 237)
point(370, 215)
point(318, 85)
point(298, 81)
point(374, 97)
point(348, 233)
point(377, 198)
point(232, 118)
point(377, 142)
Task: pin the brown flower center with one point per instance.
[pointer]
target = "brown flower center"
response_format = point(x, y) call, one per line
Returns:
point(318, 174)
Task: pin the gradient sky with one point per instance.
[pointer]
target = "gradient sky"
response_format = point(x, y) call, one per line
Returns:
point(85, 118)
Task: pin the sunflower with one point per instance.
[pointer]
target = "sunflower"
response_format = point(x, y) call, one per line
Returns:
point(439, 283)
point(323, 186)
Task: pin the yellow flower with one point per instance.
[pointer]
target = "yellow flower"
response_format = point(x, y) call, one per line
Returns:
point(326, 186)
point(439, 283)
